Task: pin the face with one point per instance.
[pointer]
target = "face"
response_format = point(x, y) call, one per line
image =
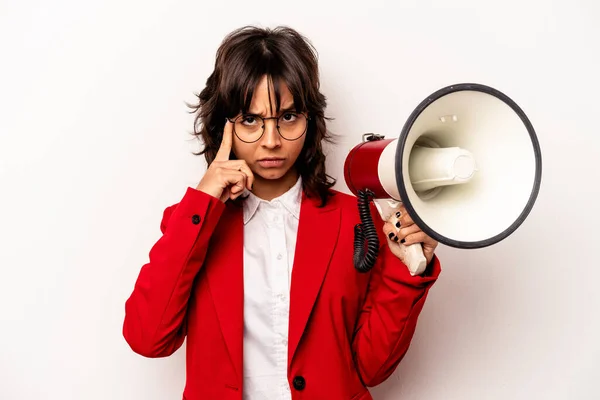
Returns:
point(271, 157)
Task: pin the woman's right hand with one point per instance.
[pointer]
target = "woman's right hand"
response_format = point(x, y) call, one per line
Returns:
point(226, 179)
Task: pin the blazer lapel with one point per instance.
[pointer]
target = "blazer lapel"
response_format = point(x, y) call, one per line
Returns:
point(317, 236)
point(226, 281)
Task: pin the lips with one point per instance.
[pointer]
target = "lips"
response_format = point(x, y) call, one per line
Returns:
point(271, 162)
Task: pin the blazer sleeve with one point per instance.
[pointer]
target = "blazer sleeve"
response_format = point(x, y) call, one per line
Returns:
point(154, 323)
point(388, 319)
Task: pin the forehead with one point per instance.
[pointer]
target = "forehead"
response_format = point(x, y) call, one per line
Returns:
point(270, 97)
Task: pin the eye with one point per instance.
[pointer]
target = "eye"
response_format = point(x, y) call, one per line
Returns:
point(289, 117)
point(249, 120)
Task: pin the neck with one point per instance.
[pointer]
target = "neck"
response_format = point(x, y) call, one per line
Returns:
point(268, 189)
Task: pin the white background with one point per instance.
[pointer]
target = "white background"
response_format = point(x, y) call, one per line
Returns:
point(94, 143)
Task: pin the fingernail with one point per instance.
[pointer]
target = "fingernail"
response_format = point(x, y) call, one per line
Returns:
point(391, 235)
point(396, 238)
point(403, 240)
point(397, 224)
point(398, 214)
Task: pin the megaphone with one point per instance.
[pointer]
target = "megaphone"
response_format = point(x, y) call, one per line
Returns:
point(467, 166)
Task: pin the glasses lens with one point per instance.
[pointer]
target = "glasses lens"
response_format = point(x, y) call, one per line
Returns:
point(248, 127)
point(292, 125)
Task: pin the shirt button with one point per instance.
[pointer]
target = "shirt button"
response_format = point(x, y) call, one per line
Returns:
point(279, 256)
point(195, 219)
point(299, 383)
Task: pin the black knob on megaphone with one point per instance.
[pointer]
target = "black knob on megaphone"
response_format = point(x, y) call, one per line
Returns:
point(467, 166)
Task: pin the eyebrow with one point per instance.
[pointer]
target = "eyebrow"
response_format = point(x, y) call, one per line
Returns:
point(292, 107)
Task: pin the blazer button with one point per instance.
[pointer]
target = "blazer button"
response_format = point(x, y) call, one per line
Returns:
point(195, 219)
point(299, 383)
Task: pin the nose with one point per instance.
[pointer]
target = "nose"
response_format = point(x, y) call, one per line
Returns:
point(271, 138)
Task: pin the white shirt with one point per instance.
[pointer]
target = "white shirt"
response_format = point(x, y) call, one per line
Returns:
point(270, 229)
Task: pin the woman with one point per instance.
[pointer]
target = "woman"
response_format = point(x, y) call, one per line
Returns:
point(255, 264)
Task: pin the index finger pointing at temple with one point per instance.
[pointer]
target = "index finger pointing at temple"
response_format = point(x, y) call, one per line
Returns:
point(225, 148)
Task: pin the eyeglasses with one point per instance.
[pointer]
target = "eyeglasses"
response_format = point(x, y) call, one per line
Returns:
point(250, 128)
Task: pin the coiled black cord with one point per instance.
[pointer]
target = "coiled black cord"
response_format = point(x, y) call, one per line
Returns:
point(365, 235)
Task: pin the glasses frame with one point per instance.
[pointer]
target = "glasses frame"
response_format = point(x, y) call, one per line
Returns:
point(264, 120)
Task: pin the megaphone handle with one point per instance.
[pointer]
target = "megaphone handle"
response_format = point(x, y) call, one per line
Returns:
point(412, 255)
point(414, 258)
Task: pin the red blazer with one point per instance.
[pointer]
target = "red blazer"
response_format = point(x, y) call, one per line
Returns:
point(347, 330)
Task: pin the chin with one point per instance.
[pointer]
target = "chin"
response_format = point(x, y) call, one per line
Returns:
point(273, 174)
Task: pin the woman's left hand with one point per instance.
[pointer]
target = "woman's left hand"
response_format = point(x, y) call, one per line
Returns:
point(404, 231)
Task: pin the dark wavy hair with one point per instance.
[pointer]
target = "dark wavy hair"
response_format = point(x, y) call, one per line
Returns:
point(286, 57)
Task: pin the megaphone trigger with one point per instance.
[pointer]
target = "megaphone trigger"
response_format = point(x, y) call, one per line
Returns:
point(387, 208)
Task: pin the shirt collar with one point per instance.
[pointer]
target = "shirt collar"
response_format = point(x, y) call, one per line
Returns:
point(291, 200)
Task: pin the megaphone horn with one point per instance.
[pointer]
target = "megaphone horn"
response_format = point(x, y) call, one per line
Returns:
point(467, 167)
